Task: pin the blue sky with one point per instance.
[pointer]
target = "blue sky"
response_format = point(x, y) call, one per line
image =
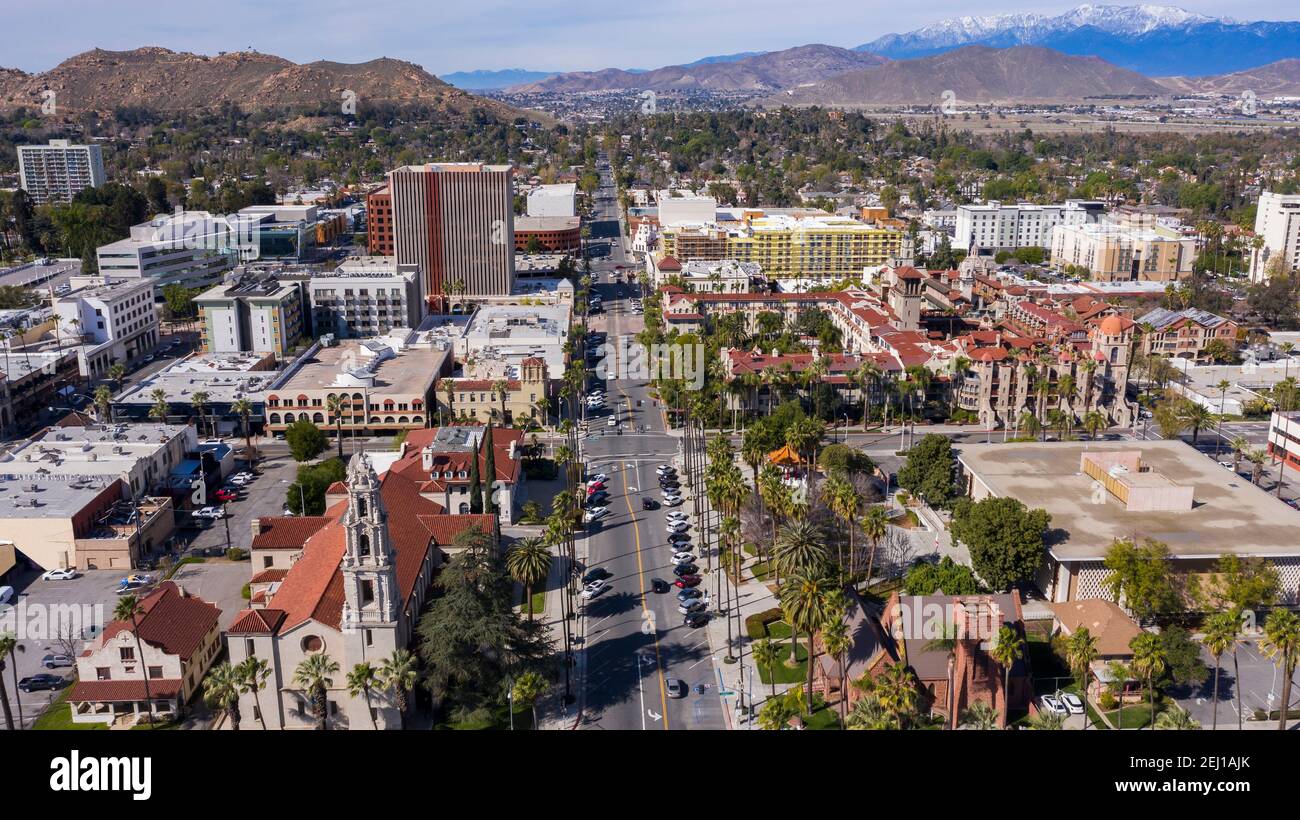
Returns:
point(454, 35)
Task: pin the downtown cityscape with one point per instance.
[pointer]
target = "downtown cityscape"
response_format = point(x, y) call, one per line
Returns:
point(934, 381)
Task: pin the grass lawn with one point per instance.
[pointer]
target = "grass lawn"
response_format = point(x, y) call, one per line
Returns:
point(779, 632)
point(498, 719)
point(822, 716)
point(58, 717)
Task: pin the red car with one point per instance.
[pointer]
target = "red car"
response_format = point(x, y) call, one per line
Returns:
point(592, 489)
point(687, 581)
point(225, 495)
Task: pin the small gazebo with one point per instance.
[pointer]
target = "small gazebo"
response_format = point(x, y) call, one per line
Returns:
point(785, 457)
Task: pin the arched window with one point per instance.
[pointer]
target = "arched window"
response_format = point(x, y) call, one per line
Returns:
point(275, 418)
point(417, 420)
point(361, 507)
point(374, 419)
point(464, 509)
point(288, 418)
point(403, 420)
point(318, 418)
point(388, 420)
point(1114, 355)
point(363, 544)
point(356, 397)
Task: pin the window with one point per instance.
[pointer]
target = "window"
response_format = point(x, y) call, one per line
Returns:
point(249, 647)
point(103, 673)
point(155, 673)
point(127, 653)
point(312, 643)
point(367, 593)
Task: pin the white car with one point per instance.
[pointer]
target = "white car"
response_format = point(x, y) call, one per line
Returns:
point(593, 589)
point(595, 513)
point(601, 477)
point(678, 527)
point(1051, 705)
point(240, 479)
point(1071, 702)
point(210, 512)
point(683, 558)
point(60, 575)
point(665, 469)
point(672, 500)
point(613, 421)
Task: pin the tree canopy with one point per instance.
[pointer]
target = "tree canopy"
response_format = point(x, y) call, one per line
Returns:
point(1005, 539)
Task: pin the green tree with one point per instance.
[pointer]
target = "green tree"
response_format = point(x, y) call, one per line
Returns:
point(222, 688)
point(306, 440)
point(1281, 644)
point(928, 472)
point(1221, 631)
point(765, 656)
point(1006, 650)
point(980, 716)
point(1141, 578)
point(1149, 663)
point(528, 688)
point(362, 679)
point(949, 576)
point(529, 562)
point(1004, 537)
point(128, 609)
point(805, 606)
point(1080, 652)
point(398, 675)
point(315, 675)
point(306, 495)
point(253, 674)
point(334, 406)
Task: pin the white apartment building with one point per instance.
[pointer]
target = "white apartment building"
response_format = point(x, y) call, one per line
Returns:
point(685, 208)
point(553, 200)
point(997, 226)
point(189, 248)
point(59, 171)
point(1277, 222)
point(365, 296)
point(113, 320)
point(725, 276)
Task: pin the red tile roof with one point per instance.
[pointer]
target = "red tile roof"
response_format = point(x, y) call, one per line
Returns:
point(269, 576)
point(171, 619)
point(287, 533)
point(257, 622)
point(118, 690)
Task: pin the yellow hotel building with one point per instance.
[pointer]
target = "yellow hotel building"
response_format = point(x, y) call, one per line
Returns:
point(787, 246)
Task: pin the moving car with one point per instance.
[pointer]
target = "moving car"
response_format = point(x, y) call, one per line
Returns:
point(659, 585)
point(687, 607)
point(59, 575)
point(56, 661)
point(613, 421)
point(593, 589)
point(42, 682)
point(649, 504)
point(677, 688)
point(596, 574)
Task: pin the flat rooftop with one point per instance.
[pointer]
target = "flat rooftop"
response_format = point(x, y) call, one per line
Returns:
point(99, 449)
point(40, 495)
point(225, 377)
point(1228, 515)
point(410, 370)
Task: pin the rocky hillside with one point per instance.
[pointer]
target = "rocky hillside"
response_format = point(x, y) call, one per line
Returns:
point(1280, 79)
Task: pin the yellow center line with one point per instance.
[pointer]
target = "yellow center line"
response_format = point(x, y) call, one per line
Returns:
point(640, 568)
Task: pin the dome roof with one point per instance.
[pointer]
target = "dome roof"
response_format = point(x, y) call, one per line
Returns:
point(1113, 325)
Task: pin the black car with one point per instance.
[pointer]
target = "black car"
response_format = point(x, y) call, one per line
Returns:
point(597, 498)
point(649, 504)
point(37, 683)
point(696, 619)
point(678, 538)
point(685, 595)
point(597, 574)
point(659, 585)
point(685, 569)
point(666, 483)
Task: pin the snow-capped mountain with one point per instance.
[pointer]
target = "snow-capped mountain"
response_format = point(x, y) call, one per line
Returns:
point(1154, 40)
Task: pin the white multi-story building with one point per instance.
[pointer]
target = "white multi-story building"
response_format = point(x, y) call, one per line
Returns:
point(365, 296)
point(1277, 222)
point(996, 226)
point(113, 319)
point(59, 171)
point(685, 208)
point(553, 200)
point(189, 248)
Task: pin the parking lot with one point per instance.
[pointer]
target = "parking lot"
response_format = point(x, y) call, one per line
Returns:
point(1261, 687)
point(262, 497)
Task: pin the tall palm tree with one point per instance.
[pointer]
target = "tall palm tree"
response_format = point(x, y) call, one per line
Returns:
point(103, 403)
point(315, 674)
point(449, 387)
point(1080, 652)
point(160, 406)
point(361, 679)
point(1094, 421)
point(1239, 445)
point(837, 642)
point(501, 390)
point(334, 406)
point(253, 673)
point(1008, 649)
point(765, 656)
point(898, 695)
point(1047, 721)
point(800, 548)
point(1220, 636)
point(7, 643)
point(804, 604)
point(128, 608)
point(200, 400)
point(1281, 644)
point(116, 371)
point(529, 562)
point(875, 525)
point(222, 688)
point(1149, 662)
point(528, 688)
point(1196, 416)
point(244, 409)
point(398, 674)
point(844, 502)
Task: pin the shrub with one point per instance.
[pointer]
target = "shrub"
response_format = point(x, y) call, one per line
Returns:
point(1107, 700)
point(306, 440)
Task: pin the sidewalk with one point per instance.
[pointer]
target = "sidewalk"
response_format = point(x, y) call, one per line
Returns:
point(552, 711)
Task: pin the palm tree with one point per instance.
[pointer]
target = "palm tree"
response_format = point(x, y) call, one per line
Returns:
point(800, 548)
point(527, 689)
point(981, 716)
point(7, 643)
point(1280, 644)
point(1149, 662)
point(1080, 652)
point(160, 405)
point(244, 409)
point(1008, 649)
point(1220, 636)
point(1176, 719)
point(529, 562)
point(199, 400)
point(1196, 416)
point(501, 390)
point(334, 406)
point(875, 525)
point(361, 679)
point(116, 371)
point(1030, 424)
point(222, 688)
point(844, 501)
point(1094, 421)
point(765, 656)
point(315, 675)
point(1256, 459)
point(253, 672)
point(103, 403)
point(898, 695)
point(837, 642)
point(1047, 721)
point(804, 603)
point(778, 712)
point(128, 609)
point(449, 387)
point(1239, 445)
point(397, 674)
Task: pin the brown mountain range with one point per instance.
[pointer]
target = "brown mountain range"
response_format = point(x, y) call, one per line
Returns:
point(1275, 79)
point(764, 72)
point(975, 74)
point(165, 80)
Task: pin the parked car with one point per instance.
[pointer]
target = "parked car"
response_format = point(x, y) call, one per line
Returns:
point(678, 527)
point(687, 607)
point(672, 500)
point(681, 557)
point(1051, 705)
point(595, 574)
point(687, 581)
point(678, 539)
point(597, 500)
point(683, 570)
point(1071, 702)
point(225, 496)
point(214, 513)
point(664, 469)
point(57, 661)
point(42, 682)
point(689, 594)
point(677, 688)
point(695, 620)
point(595, 487)
point(595, 514)
point(59, 575)
point(600, 477)
point(659, 585)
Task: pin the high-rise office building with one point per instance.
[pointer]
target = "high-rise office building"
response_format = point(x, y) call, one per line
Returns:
point(1277, 223)
point(455, 220)
point(59, 171)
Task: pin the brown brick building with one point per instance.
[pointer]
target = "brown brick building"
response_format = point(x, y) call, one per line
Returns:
point(379, 221)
